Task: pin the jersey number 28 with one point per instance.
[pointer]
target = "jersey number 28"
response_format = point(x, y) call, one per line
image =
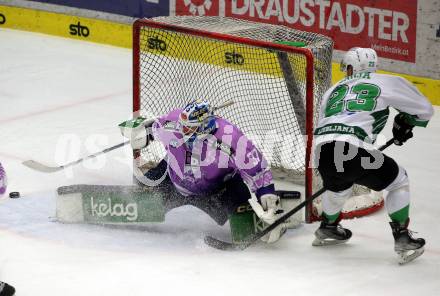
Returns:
point(365, 100)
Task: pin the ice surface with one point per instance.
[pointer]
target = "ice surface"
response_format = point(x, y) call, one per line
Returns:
point(62, 97)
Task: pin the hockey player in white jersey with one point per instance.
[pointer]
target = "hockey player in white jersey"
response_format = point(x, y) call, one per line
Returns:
point(353, 112)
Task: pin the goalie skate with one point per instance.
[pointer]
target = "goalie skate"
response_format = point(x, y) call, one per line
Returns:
point(331, 234)
point(406, 247)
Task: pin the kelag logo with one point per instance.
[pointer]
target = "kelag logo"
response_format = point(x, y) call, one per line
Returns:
point(156, 43)
point(2, 19)
point(78, 30)
point(234, 58)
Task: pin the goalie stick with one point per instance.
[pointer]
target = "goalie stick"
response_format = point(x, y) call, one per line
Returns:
point(223, 105)
point(38, 166)
point(223, 245)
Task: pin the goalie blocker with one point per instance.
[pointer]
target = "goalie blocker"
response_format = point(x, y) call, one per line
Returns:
point(136, 205)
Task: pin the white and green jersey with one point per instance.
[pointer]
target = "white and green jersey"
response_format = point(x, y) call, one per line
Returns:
point(356, 109)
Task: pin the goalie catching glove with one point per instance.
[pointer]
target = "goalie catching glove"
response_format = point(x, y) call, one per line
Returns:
point(269, 210)
point(138, 131)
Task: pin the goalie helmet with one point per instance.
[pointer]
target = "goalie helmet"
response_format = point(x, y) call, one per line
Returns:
point(361, 59)
point(197, 120)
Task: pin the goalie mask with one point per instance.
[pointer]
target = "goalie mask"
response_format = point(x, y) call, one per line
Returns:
point(197, 121)
point(361, 59)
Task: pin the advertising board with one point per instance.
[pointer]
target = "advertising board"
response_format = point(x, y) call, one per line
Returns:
point(133, 8)
point(387, 26)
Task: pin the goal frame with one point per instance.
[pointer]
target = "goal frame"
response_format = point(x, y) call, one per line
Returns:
point(309, 109)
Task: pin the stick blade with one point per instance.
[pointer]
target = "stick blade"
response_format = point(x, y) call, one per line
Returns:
point(221, 245)
point(35, 165)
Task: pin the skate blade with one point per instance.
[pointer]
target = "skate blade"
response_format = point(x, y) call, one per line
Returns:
point(408, 256)
point(327, 242)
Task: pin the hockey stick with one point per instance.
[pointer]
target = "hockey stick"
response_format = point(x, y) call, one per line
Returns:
point(222, 245)
point(223, 105)
point(35, 165)
point(38, 166)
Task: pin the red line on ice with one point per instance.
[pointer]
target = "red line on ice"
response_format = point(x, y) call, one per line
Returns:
point(60, 107)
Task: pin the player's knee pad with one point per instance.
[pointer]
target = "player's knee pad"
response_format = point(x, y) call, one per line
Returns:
point(400, 181)
point(332, 202)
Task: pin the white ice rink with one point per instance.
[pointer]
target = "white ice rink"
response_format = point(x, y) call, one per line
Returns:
point(63, 98)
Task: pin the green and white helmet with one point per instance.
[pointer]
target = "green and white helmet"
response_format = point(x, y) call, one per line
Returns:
point(361, 59)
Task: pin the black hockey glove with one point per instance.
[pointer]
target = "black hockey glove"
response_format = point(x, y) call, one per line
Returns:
point(402, 130)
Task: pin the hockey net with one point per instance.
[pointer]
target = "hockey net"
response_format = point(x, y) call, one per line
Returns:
point(276, 76)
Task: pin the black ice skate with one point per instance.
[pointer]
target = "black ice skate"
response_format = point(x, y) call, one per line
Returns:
point(331, 234)
point(406, 247)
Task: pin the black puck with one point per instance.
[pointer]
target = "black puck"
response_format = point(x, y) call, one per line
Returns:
point(14, 194)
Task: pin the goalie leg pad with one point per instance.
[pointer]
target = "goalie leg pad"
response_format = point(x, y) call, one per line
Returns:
point(105, 204)
point(244, 223)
